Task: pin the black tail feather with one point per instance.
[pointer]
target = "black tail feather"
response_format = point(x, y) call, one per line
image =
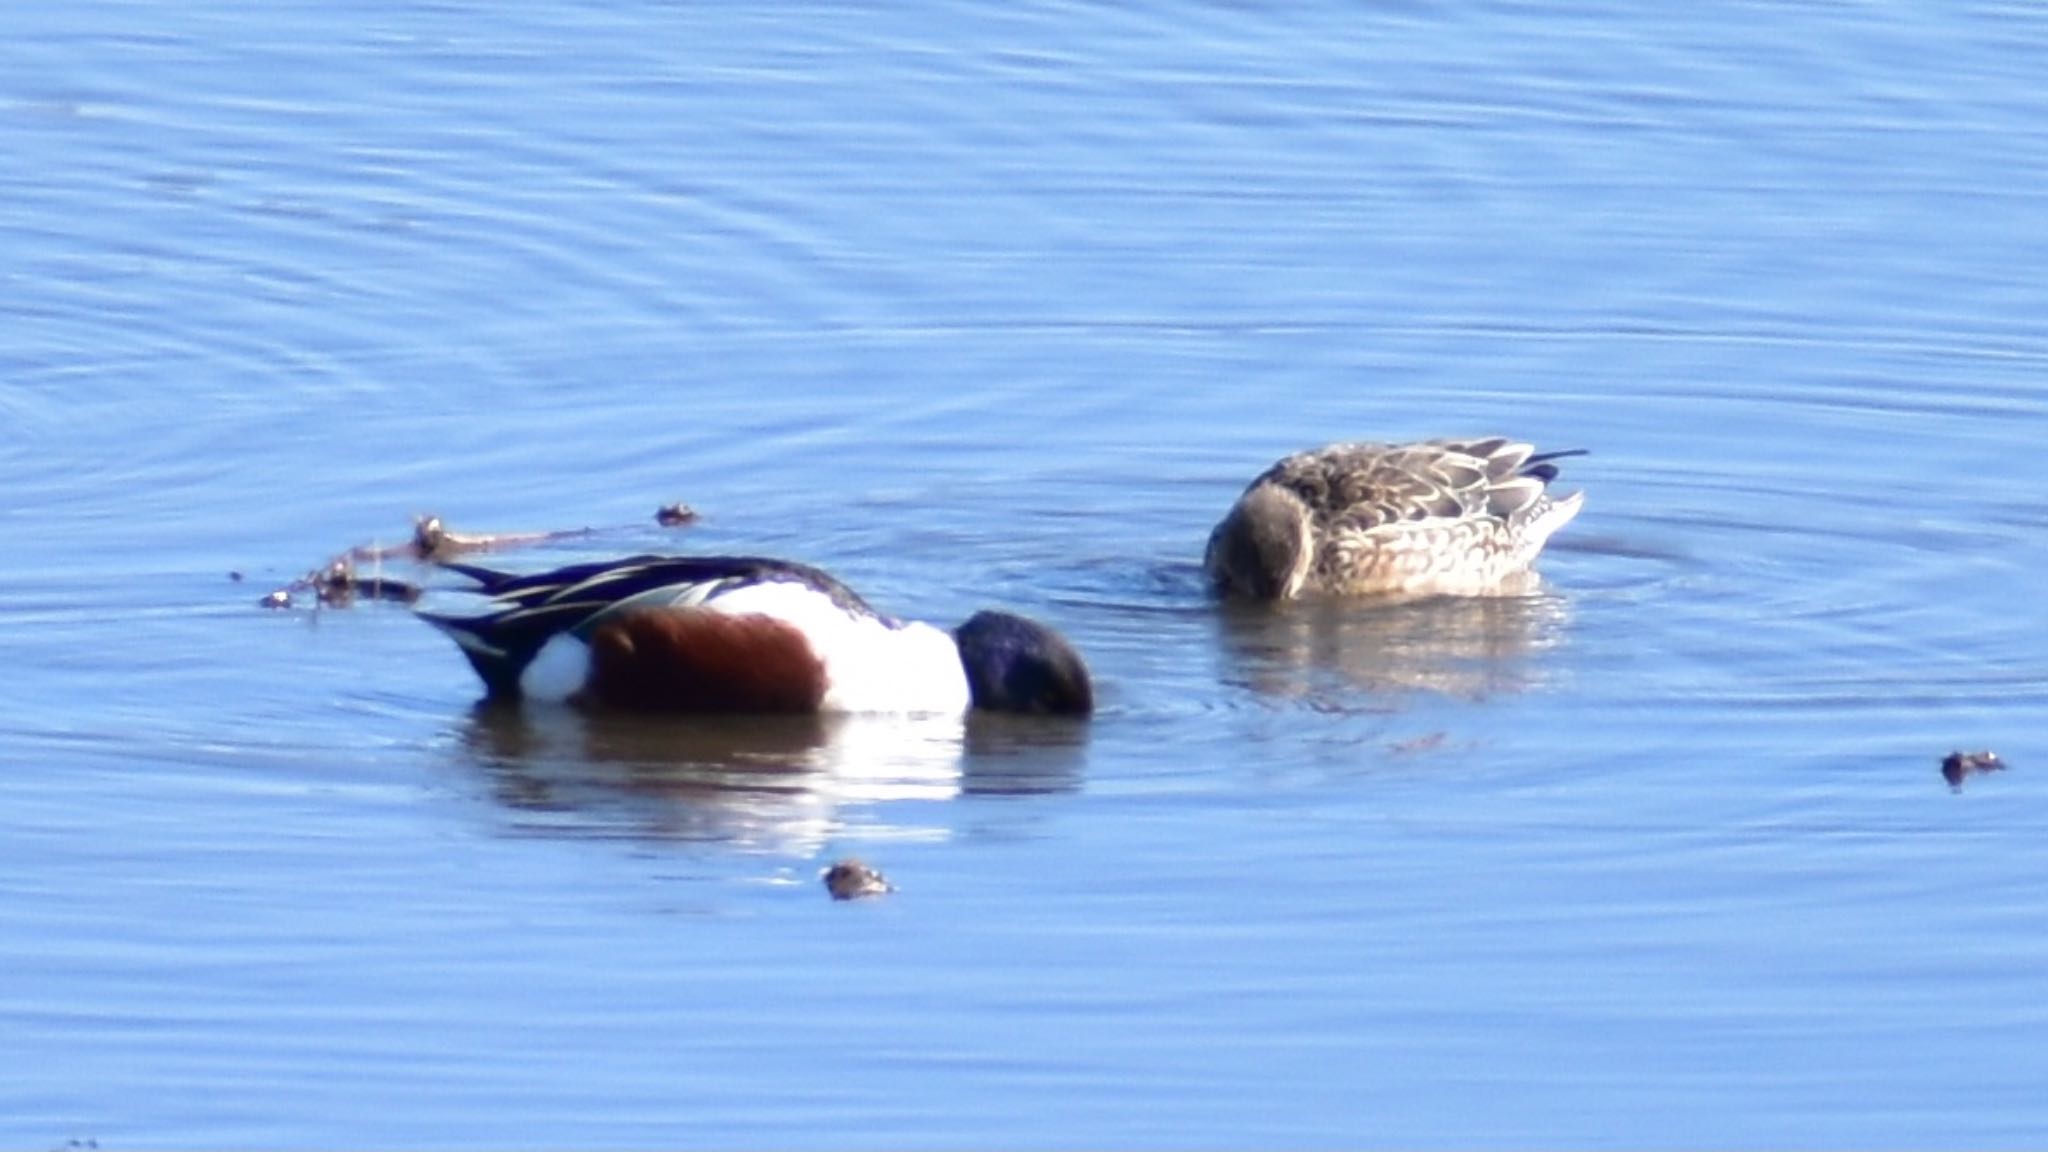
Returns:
point(490, 579)
point(498, 669)
point(1540, 466)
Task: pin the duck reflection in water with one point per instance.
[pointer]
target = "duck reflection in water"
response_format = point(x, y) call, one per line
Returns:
point(781, 783)
point(1392, 568)
point(1323, 651)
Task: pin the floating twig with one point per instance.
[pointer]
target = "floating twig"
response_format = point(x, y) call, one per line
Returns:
point(339, 582)
point(434, 540)
point(339, 586)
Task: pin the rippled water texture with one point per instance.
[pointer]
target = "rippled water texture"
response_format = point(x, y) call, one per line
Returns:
point(1003, 307)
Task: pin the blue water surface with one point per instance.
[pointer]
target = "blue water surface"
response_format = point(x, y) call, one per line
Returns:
point(1003, 305)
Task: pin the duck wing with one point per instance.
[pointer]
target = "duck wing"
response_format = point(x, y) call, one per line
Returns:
point(1361, 486)
point(526, 611)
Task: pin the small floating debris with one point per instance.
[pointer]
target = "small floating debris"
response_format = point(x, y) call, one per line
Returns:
point(675, 515)
point(1428, 743)
point(336, 584)
point(850, 879)
point(1959, 766)
point(429, 536)
point(339, 586)
point(432, 539)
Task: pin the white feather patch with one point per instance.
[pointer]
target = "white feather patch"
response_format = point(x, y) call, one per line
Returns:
point(557, 670)
point(869, 666)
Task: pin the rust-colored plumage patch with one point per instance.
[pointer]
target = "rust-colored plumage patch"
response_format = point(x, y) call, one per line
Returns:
point(690, 660)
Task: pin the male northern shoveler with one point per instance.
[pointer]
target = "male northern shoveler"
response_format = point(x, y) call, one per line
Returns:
point(744, 634)
point(1440, 516)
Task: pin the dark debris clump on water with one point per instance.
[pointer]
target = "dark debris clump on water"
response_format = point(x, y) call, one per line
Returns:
point(850, 879)
point(1959, 766)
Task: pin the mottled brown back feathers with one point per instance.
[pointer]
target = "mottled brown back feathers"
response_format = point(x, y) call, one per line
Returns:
point(1436, 516)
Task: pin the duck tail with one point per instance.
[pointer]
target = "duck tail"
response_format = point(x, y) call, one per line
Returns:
point(498, 668)
point(483, 640)
point(1541, 466)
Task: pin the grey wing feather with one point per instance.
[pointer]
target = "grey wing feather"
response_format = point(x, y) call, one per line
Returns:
point(1364, 486)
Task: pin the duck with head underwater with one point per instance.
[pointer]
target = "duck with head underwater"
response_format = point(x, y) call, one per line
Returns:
point(1436, 517)
point(739, 634)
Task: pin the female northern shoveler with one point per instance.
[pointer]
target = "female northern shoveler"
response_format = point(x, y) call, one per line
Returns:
point(1441, 516)
point(744, 634)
